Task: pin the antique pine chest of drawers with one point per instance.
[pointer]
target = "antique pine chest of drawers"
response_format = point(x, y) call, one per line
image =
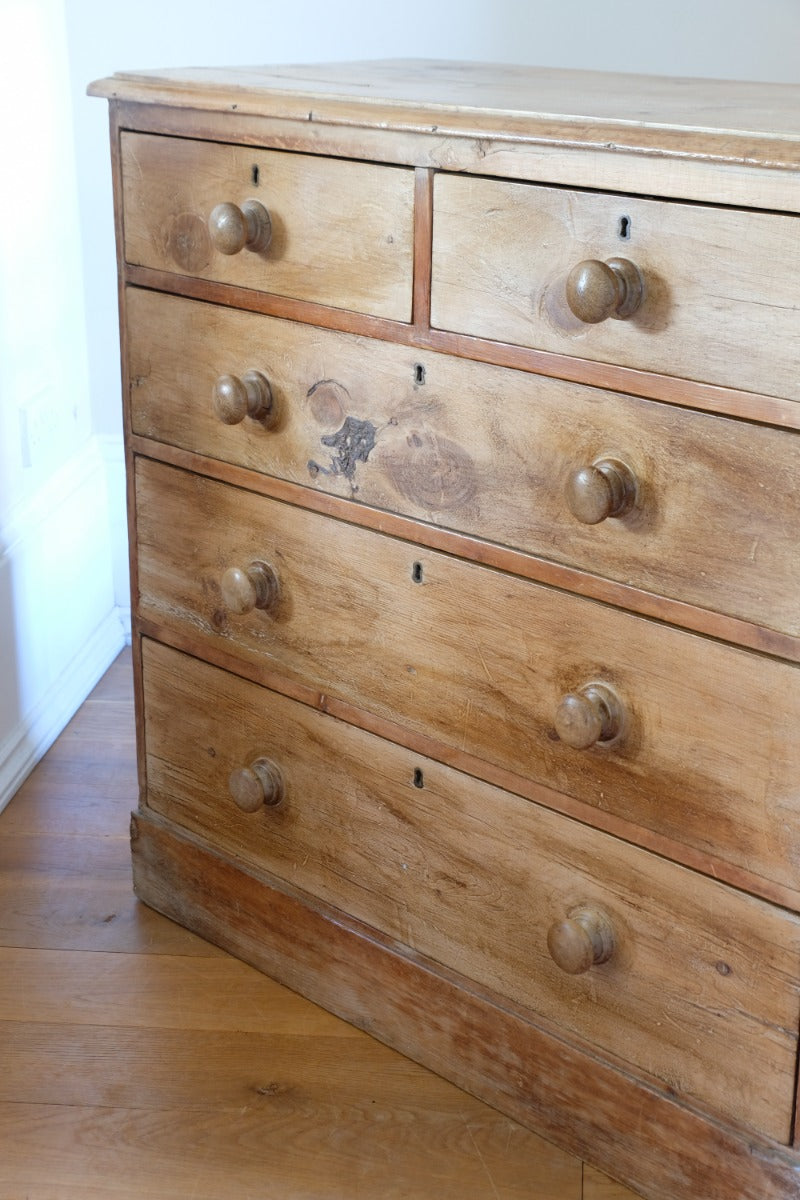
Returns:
point(462, 411)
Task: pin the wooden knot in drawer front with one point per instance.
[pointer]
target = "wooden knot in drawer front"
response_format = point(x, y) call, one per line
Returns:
point(425, 468)
point(186, 242)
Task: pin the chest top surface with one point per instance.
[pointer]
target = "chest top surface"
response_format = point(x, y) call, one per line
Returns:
point(755, 122)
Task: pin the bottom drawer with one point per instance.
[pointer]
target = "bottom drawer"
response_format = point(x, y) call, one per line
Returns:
point(699, 984)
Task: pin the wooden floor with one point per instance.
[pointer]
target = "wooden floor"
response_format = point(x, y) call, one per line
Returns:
point(138, 1061)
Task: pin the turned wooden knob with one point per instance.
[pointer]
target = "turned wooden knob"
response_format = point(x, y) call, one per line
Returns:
point(599, 290)
point(251, 396)
point(257, 785)
point(233, 228)
point(590, 715)
point(604, 489)
point(585, 939)
point(254, 587)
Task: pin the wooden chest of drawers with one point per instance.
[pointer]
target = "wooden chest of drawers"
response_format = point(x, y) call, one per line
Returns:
point(463, 433)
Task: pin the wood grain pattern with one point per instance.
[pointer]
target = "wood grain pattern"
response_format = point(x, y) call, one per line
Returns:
point(488, 98)
point(461, 760)
point(62, 891)
point(752, 406)
point(481, 661)
point(513, 1064)
point(721, 290)
point(162, 990)
point(597, 1186)
point(582, 583)
point(125, 1109)
point(65, 871)
point(554, 156)
point(473, 878)
point(423, 234)
point(485, 451)
point(302, 1144)
point(364, 263)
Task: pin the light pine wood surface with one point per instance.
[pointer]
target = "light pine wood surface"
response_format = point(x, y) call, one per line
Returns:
point(476, 96)
point(459, 467)
point(418, 636)
point(172, 187)
point(139, 1061)
point(480, 664)
point(391, 837)
point(459, 116)
point(717, 282)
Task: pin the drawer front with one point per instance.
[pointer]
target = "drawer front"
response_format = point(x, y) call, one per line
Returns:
point(487, 663)
point(341, 232)
point(475, 878)
point(721, 286)
point(485, 451)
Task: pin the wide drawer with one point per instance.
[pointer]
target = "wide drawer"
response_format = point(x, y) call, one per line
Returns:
point(721, 286)
point(707, 751)
point(341, 231)
point(476, 878)
point(485, 451)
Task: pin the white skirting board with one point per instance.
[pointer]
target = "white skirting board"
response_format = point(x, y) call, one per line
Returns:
point(61, 623)
point(29, 742)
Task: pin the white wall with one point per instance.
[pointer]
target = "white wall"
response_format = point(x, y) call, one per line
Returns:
point(62, 545)
point(58, 626)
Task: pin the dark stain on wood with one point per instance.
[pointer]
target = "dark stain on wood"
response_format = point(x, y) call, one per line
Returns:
point(352, 445)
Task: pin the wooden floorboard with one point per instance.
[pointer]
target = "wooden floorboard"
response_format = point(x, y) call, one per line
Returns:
point(137, 1061)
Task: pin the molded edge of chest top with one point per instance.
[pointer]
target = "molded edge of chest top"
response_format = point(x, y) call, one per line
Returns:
point(752, 123)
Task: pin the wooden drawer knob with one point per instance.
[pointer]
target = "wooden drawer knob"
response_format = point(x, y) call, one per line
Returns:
point(599, 290)
point(592, 714)
point(251, 396)
point(254, 587)
point(257, 785)
point(606, 488)
point(233, 228)
point(584, 940)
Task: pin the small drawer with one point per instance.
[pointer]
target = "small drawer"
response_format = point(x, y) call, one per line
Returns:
point(662, 969)
point(624, 713)
point(709, 518)
point(720, 293)
point(338, 232)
